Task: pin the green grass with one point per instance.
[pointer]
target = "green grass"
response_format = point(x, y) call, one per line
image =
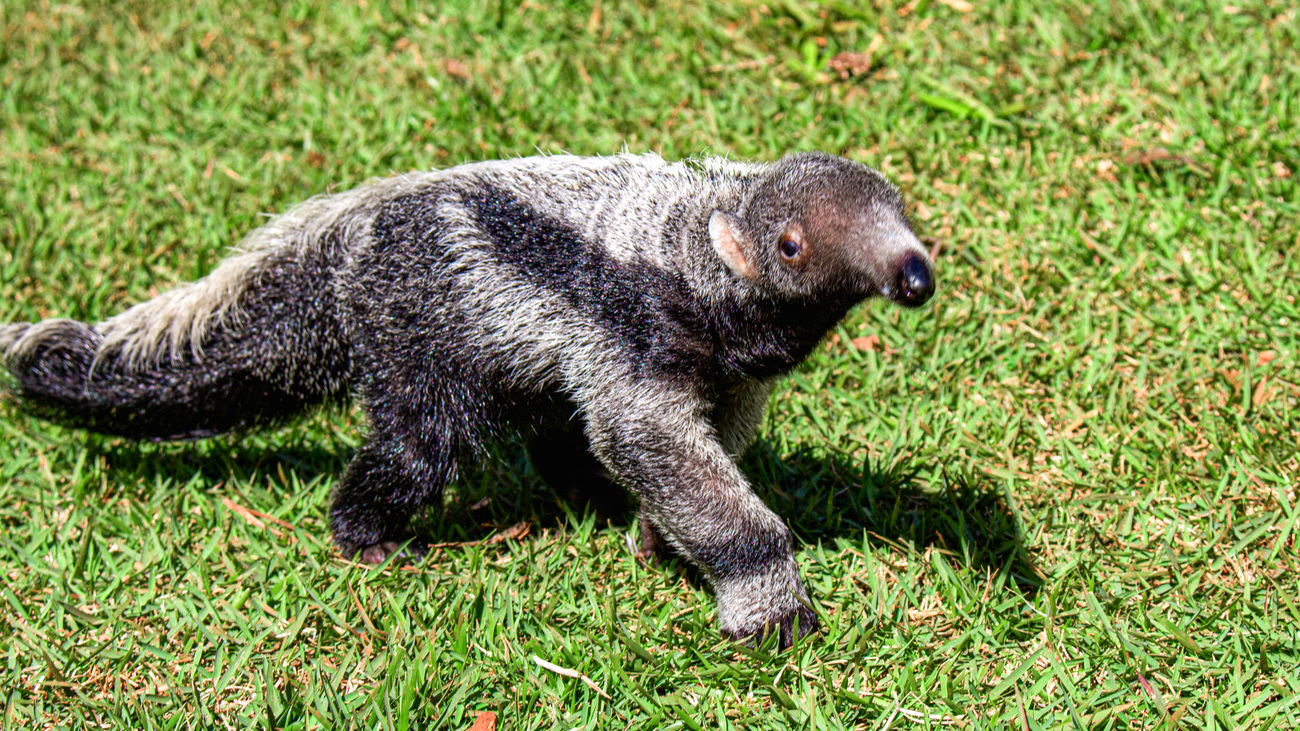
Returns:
point(1064, 495)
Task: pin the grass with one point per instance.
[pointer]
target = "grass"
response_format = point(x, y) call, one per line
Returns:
point(1064, 495)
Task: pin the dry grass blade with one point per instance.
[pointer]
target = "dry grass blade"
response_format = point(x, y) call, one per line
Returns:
point(566, 672)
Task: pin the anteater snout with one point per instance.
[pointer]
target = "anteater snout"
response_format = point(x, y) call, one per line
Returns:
point(915, 281)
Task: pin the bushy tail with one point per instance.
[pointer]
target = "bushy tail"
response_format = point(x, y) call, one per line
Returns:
point(256, 341)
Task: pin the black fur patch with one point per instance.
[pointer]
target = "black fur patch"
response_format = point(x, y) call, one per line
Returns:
point(763, 340)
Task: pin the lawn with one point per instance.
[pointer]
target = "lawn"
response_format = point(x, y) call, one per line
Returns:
point(1062, 495)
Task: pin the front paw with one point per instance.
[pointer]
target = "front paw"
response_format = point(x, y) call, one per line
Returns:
point(753, 608)
point(789, 626)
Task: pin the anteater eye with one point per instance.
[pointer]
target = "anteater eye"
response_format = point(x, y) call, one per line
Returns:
point(789, 247)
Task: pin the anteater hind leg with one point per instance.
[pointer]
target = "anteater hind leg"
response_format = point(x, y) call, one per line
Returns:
point(379, 493)
point(410, 457)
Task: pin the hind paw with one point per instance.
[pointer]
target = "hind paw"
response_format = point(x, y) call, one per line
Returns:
point(377, 553)
point(653, 549)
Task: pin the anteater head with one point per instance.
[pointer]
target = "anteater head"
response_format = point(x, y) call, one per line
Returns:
point(822, 227)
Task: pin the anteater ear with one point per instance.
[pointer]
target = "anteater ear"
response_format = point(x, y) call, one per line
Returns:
point(729, 242)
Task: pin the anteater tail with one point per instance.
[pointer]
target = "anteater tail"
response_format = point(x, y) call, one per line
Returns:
point(256, 341)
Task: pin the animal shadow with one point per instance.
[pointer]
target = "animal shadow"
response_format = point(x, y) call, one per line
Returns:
point(218, 460)
point(823, 499)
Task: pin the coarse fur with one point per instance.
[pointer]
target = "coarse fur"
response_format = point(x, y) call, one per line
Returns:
point(626, 316)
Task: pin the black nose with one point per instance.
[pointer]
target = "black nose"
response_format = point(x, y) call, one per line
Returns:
point(915, 281)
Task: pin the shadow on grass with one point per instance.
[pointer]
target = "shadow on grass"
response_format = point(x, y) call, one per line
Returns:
point(829, 498)
point(218, 460)
point(822, 498)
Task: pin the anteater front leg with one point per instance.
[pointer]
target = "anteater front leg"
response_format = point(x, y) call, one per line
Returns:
point(735, 416)
point(659, 443)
